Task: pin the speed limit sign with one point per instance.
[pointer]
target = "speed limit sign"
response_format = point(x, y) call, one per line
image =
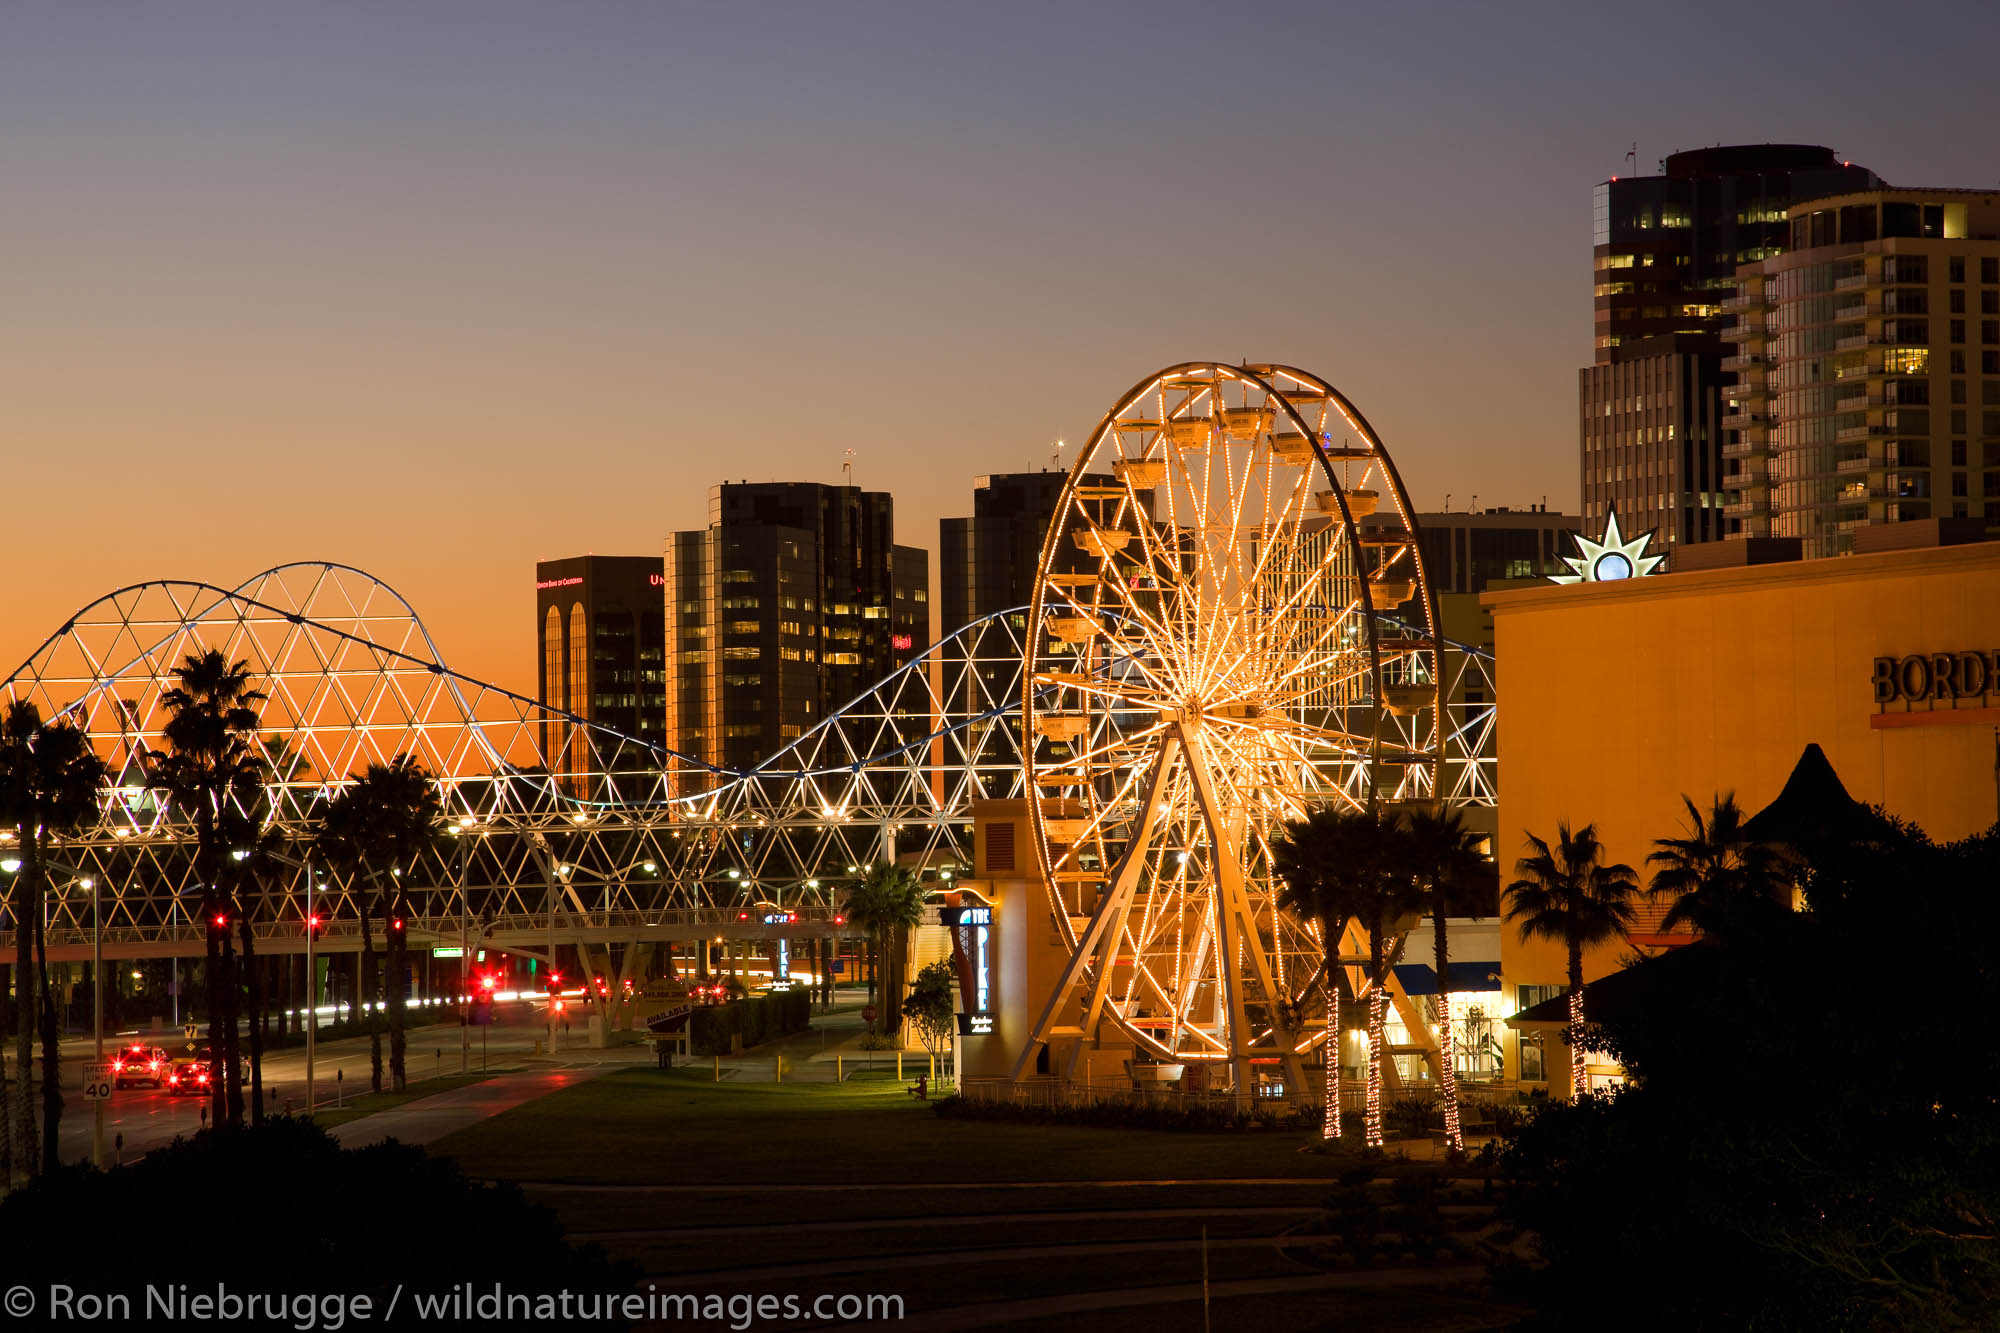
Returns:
point(97, 1082)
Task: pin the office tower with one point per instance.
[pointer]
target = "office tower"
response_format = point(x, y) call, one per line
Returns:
point(1870, 357)
point(603, 649)
point(988, 564)
point(1666, 250)
point(794, 600)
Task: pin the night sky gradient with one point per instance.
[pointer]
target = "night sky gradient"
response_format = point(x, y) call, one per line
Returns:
point(439, 289)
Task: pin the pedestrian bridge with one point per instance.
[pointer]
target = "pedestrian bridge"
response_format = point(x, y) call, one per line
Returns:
point(563, 832)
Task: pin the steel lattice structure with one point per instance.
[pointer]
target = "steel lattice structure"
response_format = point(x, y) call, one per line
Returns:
point(611, 846)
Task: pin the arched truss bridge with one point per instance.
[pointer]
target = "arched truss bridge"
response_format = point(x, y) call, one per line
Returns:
point(618, 840)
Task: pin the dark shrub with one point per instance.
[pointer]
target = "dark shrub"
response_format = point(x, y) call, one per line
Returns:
point(284, 1209)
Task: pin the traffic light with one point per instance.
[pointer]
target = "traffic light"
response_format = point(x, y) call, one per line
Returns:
point(314, 924)
point(221, 921)
point(396, 924)
point(488, 982)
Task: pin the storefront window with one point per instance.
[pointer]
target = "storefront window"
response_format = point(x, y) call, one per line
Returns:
point(1533, 1070)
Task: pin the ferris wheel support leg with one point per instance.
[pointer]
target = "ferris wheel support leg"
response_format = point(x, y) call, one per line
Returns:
point(1235, 922)
point(1100, 940)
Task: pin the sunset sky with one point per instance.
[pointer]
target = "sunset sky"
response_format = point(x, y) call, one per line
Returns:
point(441, 289)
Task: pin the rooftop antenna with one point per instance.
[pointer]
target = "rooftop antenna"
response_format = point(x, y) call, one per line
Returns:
point(1475, 503)
point(1633, 157)
point(1447, 502)
point(1055, 456)
point(847, 467)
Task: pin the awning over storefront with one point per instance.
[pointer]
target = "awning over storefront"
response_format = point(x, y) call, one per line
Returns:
point(1421, 978)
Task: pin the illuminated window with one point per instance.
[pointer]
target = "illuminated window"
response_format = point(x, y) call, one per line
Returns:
point(552, 659)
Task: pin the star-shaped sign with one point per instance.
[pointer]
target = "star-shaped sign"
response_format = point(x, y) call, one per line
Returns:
point(1615, 557)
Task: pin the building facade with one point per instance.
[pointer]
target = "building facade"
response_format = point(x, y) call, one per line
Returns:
point(1466, 552)
point(1623, 697)
point(1869, 355)
point(988, 563)
point(602, 629)
point(794, 600)
point(1665, 253)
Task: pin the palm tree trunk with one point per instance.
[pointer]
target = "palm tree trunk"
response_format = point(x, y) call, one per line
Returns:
point(1454, 1138)
point(215, 976)
point(23, 1110)
point(892, 981)
point(1330, 1123)
point(256, 1017)
point(1576, 1075)
point(370, 1011)
point(52, 1101)
point(1376, 1038)
point(232, 1055)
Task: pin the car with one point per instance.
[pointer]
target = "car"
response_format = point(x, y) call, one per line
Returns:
point(188, 1078)
point(139, 1063)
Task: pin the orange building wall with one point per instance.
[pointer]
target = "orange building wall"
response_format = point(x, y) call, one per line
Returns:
point(1617, 698)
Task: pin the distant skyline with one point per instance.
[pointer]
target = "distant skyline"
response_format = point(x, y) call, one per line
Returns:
point(438, 290)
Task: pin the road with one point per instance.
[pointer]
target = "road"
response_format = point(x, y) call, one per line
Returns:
point(149, 1118)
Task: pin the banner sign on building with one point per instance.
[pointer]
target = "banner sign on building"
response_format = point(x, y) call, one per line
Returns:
point(971, 943)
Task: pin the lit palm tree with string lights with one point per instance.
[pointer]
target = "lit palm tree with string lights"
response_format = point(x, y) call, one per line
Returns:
point(1444, 857)
point(1569, 896)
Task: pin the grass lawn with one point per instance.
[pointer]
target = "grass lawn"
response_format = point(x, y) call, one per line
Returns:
point(711, 1187)
point(370, 1102)
point(646, 1126)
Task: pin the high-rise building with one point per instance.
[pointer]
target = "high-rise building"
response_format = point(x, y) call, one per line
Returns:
point(988, 563)
point(1869, 352)
point(602, 630)
point(794, 600)
point(1666, 250)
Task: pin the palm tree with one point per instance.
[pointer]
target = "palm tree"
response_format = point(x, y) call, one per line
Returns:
point(887, 901)
point(1444, 857)
point(1358, 866)
point(1722, 880)
point(1567, 895)
point(50, 782)
point(1312, 863)
point(210, 765)
point(385, 819)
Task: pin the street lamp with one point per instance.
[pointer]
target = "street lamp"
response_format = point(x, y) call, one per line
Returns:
point(312, 969)
point(462, 831)
point(97, 1012)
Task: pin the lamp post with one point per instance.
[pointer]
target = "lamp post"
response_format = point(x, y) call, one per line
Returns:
point(96, 1014)
point(462, 830)
point(312, 983)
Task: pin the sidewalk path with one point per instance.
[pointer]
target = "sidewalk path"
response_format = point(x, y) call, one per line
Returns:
point(429, 1118)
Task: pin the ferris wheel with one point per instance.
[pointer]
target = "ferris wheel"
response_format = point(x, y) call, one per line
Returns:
point(1231, 625)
